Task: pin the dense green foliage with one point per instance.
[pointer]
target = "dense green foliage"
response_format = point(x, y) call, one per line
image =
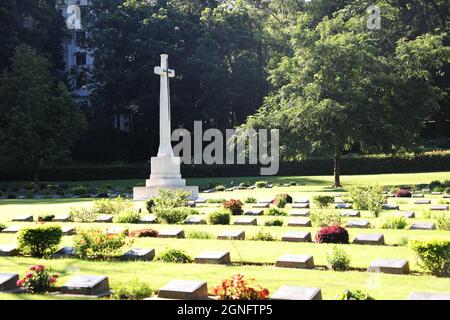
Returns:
point(39, 241)
point(434, 255)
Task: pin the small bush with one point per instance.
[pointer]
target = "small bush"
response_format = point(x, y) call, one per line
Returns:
point(443, 222)
point(283, 196)
point(174, 256)
point(236, 288)
point(402, 193)
point(37, 280)
point(447, 190)
point(280, 203)
point(39, 241)
point(80, 190)
point(220, 188)
point(276, 212)
point(323, 201)
point(274, 223)
point(82, 215)
point(2, 227)
point(261, 235)
point(134, 290)
point(95, 244)
point(111, 206)
point(216, 200)
point(234, 206)
point(403, 241)
point(332, 234)
point(434, 255)
point(325, 218)
point(250, 200)
point(144, 233)
point(261, 184)
point(150, 204)
point(368, 198)
point(434, 184)
point(354, 295)
point(171, 199)
point(338, 260)
point(46, 218)
point(128, 216)
point(173, 215)
point(394, 222)
point(199, 234)
point(219, 217)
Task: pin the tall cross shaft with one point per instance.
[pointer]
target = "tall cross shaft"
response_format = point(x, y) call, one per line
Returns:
point(165, 146)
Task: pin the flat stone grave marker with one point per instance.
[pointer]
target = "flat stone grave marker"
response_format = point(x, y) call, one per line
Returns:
point(269, 186)
point(426, 190)
point(62, 218)
point(295, 261)
point(23, 218)
point(297, 236)
point(269, 201)
point(12, 229)
point(297, 293)
point(343, 206)
point(371, 239)
point(231, 235)
point(246, 221)
point(423, 226)
point(195, 220)
point(435, 208)
point(301, 200)
point(261, 205)
point(435, 193)
point(87, 285)
point(418, 195)
point(389, 266)
point(104, 218)
point(8, 250)
point(8, 282)
point(254, 212)
point(391, 207)
point(300, 206)
point(428, 296)
point(148, 219)
point(299, 223)
point(139, 254)
point(423, 201)
point(300, 213)
point(447, 196)
point(191, 204)
point(184, 290)
point(209, 191)
point(251, 188)
point(351, 213)
point(66, 252)
point(213, 257)
point(200, 200)
point(362, 224)
point(229, 189)
point(406, 214)
point(69, 231)
point(171, 233)
point(338, 200)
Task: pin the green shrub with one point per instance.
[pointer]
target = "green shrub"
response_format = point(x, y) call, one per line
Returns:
point(127, 216)
point(173, 215)
point(354, 295)
point(434, 255)
point(368, 198)
point(261, 184)
point(80, 190)
point(150, 204)
point(95, 244)
point(435, 184)
point(216, 201)
point(220, 188)
point(443, 222)
point(403, 241)
point(263, 236)
point(338, 260)
point(39, 241)
point(323, 201)
point(394, 222)
point(325, 218)
point(250, 200)
point(111, 206)
point(46, 218)
point(447, 190)
point(82, 215)
point(2, 227)
point(276, 212)
point(171, 199)
point(133, 290)
point(174, 256)
point(280, 203)
point(199, 234)
point(274, 223)
point(221, 217)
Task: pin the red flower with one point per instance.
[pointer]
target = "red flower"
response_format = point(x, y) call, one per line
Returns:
point(264, 293)
point(20, 282)
point(29, 275)
point(52, 280)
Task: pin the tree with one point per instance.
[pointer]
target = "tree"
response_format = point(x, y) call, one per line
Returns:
point(38, 120)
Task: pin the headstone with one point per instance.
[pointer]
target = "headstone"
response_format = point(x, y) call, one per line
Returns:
point(301, 200)
point(295, 261)
point(254, 212)
point(251, 188)
point(87, 285)
point(231, 235)
point(171, 233)
point(299, 223)
point(338, 200)
point(389, 266)
point(343, 206)
point(23, 218)
point(435, 193)
point(429, 296)
point(229, 189)
point(184, 290)
point(269, 201)
point(269, 186)
point(139, 255)
point(246, 221)
point(148, 219)
point(12, 229)
point(66, 252)
point(418, 195)
point(104, 218)
point(423, 226)
point(297, 293)
point(300, 206)
point(8, 250)
point(69, 231)
point(297, 236)
point(210, 257)
point(391, 207)
point(435, 208)
point(447, 196)
point(371, 239)
point(8, 282)
point(209, 191)
point(426, 190)
point(362, 224)
point(300, 213)
point(423, 201)
point(195, 220)
point(261, 205)
point(200, 201)
point(351, 213)
point(62, 218)
point(406, 214)
point(192, 204)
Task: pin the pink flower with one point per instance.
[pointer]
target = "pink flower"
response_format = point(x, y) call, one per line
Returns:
point(52, 279)
point(20, 282)
point(29, 275)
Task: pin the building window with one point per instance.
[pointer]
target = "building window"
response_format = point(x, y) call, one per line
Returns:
point(80, 59)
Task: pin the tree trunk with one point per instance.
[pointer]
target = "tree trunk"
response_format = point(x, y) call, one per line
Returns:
point(337, 167)
point(37, 170)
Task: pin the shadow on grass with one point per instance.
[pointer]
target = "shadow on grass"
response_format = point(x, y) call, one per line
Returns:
point(42, 201)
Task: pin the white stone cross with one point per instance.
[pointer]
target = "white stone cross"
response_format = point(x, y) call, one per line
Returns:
point(165, 147)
